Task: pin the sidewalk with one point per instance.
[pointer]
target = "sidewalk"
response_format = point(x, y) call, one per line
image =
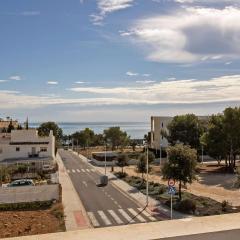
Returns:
point(75, 214)
point(154, 206)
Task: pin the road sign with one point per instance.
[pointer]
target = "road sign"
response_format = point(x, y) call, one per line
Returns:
point(171, 182)
point(171, 190)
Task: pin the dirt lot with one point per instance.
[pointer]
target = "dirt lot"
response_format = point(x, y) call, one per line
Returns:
point(20, 223)
point(218, 186)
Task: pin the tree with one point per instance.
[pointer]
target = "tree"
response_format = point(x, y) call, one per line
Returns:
point(214, 140)
point(133, 144)
point(142, 163)
point(185, 129)
point(45, 128)
point(116, 137)
point(122, 161)
point(181, 165)
point(84, 138)
point(10, 127)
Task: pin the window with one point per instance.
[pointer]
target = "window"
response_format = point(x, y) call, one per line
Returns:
point(43, 149)
point(17, 149)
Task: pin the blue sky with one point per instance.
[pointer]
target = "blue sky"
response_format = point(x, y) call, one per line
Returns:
point(118, 60)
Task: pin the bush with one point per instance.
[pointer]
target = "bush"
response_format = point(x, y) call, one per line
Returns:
point(25, 206)
point(186, 206)
point(225, 206)
point(57, 211)
point(120, 175)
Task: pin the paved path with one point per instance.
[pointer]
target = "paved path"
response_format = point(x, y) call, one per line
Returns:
point(75, 214)
point(105, 206)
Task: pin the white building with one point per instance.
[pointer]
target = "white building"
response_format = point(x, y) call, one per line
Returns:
point(26, 144)
point(159, 124)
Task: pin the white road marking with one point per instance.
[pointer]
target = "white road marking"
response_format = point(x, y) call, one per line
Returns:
point(84, 183)
point(87, 170)
point(148, 215)
point(134, 213)
point(104, 218)
point(83, 170)
point(115, 216)
point(73, 171)
point(94, 221)
point(78, 170)
point(126, 216)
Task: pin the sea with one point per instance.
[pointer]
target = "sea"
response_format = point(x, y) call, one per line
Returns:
point(136, 130)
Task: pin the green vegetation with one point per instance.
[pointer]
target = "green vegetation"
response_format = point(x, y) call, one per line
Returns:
point(190, 204)
point(116, 137)
point(26, 206)
point(44, 130)
point(222, 139)
point(122, 161)
point(181, 165)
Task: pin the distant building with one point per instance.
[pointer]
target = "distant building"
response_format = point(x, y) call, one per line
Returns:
point(26, 145)
point(158, 124)
point(5, 123)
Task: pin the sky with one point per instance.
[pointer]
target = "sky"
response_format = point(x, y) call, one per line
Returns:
point(118, 60)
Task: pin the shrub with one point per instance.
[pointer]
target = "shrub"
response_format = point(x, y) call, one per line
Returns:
point(186, 206)
point(225, 206)
point(120, 175)
point(25, 206)
point(57, 211)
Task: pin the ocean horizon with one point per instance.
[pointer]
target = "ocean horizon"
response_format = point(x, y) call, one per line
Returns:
point(136, 130)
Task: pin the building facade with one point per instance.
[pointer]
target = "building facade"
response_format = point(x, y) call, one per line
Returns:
point(26, 144)
point(159, 124)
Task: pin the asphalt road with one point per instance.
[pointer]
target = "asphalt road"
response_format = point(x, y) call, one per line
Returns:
point(105, 206)
point(224, 235)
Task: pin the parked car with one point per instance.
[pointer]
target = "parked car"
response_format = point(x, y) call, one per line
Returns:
point(21, 183)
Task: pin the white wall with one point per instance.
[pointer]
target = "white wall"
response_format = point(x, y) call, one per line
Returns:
point(18, 137)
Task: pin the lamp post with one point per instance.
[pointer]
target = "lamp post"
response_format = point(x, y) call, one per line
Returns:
point(105, 159)
point(147, 185)
point(160, 160)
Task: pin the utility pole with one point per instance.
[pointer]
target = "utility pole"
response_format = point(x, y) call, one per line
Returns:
point(105, 162)
point(147, 179)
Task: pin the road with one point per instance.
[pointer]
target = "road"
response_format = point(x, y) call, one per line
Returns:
point(105, 206)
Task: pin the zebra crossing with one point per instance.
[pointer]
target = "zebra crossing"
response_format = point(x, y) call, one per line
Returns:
point(80, 170)
point(119, 217)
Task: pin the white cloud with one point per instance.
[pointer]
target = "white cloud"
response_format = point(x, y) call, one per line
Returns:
point(80, 82)
point(146, 75)
point(171, 78)
point(30, 13)
point(228, 63)
point(189, 35)
point(223, 89)
point(145, 81)
point(1, 81)
point(220, 89)
point(130, 73)
point(15, 77)
point(207, 1)
point(108, 6)
point(52, 82)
